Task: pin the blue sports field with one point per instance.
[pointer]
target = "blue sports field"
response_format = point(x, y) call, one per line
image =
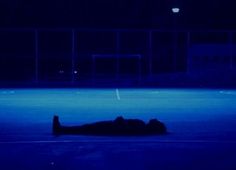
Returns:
point(201, 125)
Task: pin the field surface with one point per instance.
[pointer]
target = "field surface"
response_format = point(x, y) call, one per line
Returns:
point(201, 125)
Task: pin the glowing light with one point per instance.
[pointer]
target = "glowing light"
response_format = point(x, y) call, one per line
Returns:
point(175, 10)
point(12, 92)
point(75, 72)
point(8, 92)
point(61, 71)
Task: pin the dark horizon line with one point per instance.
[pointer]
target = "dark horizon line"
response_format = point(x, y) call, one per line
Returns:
point(113, 29)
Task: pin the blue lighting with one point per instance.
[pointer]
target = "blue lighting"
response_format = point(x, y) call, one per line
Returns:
point(201, 123)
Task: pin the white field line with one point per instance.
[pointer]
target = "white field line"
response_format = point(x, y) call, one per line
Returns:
point(117, 94)
point(228, 92)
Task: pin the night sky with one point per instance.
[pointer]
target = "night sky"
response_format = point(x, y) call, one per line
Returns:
point(167, 52)
point(195, 14)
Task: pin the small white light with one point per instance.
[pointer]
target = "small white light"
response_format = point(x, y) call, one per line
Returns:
point(61, 71)
point(175, 10)
point(75, 72)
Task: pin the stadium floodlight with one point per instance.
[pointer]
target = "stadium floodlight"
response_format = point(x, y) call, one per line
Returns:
point(175, 10)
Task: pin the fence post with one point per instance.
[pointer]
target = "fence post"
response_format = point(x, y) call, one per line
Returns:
point(36, 56)
point(73, 57)
point(117, 54)
point(150, 52)
point(231, 49)
point(189, 59)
